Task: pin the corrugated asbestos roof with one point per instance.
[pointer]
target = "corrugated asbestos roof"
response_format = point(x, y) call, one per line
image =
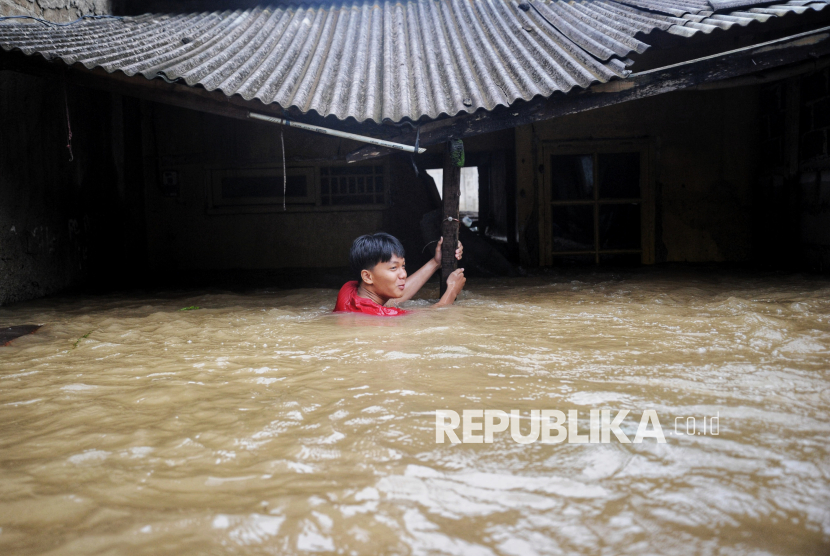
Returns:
point(390, 60)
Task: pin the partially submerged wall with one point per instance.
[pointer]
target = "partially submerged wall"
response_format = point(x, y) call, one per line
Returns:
point(703, 152)
point(794, 189)
point(62, 222)
point(814, 166)
point(186, 231)
point(43, 229)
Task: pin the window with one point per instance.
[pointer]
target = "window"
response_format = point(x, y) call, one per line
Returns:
point(595, 202)
point(261, 188)
point(352, 185)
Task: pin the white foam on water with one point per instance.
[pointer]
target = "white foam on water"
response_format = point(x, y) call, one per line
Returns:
point(78, 387)
point(89, 456)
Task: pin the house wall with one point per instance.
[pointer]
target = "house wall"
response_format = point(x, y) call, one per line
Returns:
point(814, 169)
point(185, 234)
point(793, 205)
point(46, 222)
point(63, 222)
point(721, 167)
point(704, 151)
point(704, 157)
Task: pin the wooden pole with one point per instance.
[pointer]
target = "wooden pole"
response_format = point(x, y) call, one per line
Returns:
point(453, 160)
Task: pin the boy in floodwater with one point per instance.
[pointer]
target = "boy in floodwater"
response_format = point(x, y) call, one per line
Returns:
point(378, 261)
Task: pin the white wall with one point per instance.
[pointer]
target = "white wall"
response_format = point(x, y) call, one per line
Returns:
point(469, 187)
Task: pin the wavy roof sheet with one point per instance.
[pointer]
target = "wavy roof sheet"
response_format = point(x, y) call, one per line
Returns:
point(388, 60)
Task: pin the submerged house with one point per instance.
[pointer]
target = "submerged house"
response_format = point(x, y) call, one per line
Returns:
point(594, 131)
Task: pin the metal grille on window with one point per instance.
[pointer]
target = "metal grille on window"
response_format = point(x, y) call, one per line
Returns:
point(352, 185)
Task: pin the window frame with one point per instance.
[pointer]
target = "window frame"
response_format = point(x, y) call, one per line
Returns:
point(311, 203)
point(386, 185)
point(547, 255)
point(217, 175)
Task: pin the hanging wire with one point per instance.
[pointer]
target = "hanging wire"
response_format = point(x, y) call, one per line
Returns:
point(284, 172)
point(68, 123)
point(428, 244)
point(412, 157)
point(56, 24)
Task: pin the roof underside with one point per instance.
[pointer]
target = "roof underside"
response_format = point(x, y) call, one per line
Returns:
point(390, 60)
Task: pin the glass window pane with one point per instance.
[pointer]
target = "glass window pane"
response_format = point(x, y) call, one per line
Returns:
point(350, 170)
point(572, 177)
point(619, 175)
point(573, 228)
point(239, 187)
point(619, 226)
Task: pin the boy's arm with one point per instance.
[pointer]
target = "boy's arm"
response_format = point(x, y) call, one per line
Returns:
point(416, 281)
point(455, 283)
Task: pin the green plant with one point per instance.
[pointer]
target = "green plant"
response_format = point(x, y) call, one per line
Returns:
point(82, 338)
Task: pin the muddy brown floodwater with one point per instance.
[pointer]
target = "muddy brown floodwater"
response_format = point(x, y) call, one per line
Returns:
point(262, 424)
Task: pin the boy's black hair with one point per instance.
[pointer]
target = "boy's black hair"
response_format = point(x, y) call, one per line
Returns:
point(371, 249)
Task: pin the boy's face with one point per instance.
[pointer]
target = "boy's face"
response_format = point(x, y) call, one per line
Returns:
point(387, 279)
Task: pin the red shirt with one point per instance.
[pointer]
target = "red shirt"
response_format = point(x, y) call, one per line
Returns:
point(348, 301)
